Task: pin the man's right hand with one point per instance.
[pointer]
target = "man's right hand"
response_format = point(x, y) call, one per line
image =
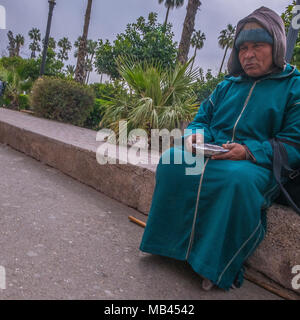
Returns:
point(194, 138)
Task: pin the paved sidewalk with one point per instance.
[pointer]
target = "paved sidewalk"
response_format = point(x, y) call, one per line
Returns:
point(61, 239)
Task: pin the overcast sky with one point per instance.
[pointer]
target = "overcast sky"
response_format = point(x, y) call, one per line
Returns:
point(110, 17)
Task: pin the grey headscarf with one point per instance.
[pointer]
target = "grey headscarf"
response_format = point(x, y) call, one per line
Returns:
point(273, 23)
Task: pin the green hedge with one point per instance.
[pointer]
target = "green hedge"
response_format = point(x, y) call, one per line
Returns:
point(62, 100)
point(24, 102)
point(94, 118)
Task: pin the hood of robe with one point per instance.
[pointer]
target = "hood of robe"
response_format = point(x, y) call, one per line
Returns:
point(271, 22)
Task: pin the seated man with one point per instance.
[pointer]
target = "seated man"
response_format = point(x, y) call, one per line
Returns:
point(215, 220)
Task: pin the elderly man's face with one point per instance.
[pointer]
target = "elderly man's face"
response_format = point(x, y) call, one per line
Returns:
point(256, 58)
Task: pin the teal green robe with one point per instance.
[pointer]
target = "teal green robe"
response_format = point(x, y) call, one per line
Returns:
point(216, 219)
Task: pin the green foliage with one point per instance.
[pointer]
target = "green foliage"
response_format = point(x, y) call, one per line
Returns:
point(205, 85)
point(12, 62)
point(172, 3)
point(51, 43)
point(197, 40)
point(64, 47)
point(144, 40)
point(70, 71)
point(15, 44)
point(30, 68)
point(226, 40)
point(26, 69)
point(107, 90)
point(104, 93)
point(20, 75)
point(13, 87)
point(105, 59)
point(53, 66)
point(160, 98)
point(94, 118)
point(62, 100)
point(287, 18)
point(35, 36)
point(24, 102)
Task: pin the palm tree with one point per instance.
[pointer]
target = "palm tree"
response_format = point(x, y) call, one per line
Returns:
point(51, 43)
point(91, 51)
point(19, 42)
point(70, 69)
point(170, 4)
point(12, 44)
point(80, 72)
point(201, 75)
point(76, 45)
point(197, 42)
point(90, 55)
point(226, 40)
point(188, 29)
point(65, 45)
point(35, 36)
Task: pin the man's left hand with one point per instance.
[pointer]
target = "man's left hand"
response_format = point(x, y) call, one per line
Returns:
point(237, 152)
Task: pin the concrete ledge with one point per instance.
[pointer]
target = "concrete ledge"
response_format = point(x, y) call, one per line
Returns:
point(72, 150)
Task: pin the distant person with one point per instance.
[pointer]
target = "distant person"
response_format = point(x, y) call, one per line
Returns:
point(2, 88)
point(216, 220)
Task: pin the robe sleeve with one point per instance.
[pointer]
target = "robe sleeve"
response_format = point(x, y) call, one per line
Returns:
point(204, 115)
point(262, 150)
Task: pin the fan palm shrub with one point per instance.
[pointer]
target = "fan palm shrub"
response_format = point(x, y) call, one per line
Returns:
point(14, 87)
point(159, 98)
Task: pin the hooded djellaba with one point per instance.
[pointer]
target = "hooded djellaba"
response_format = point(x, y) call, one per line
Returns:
point(215, 219)
point(267, 25)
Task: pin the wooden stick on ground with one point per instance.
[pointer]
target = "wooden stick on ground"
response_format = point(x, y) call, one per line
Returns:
point(263, 281)
point(137, 221)
point(27, 111)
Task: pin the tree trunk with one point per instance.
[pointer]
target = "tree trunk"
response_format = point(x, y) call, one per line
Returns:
point(223, 59)
point(194, 56)
point(166, 20)
point(88, 76)
point(11, 53)
point(188, 28)
point(80, 67)
point(17, 52)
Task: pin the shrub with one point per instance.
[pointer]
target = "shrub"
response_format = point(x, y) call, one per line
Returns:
point(62, 100)
point(205, 85)
point(107, 90)
point(105, 93)
point(24, 102)
point(13, 87)
point(94, 118)
point(161, 98)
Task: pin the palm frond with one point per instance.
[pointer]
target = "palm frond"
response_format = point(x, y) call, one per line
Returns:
point(160, 99)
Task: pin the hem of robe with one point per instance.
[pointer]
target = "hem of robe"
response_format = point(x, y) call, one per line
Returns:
point(203, 270)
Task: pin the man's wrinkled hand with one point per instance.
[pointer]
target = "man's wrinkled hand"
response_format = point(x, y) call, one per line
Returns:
point(237, 152)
